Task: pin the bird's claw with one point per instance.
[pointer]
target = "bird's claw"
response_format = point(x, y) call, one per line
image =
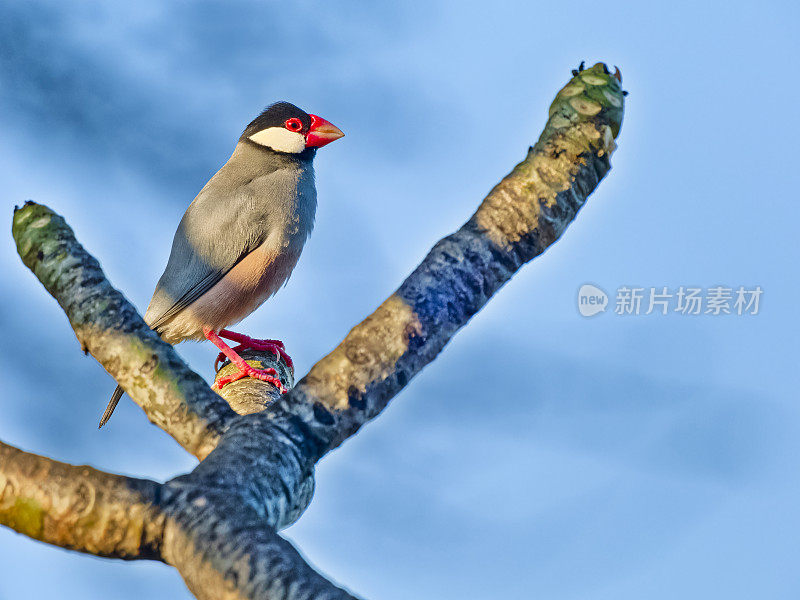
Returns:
point(221, 358)
point(268, 375)
point(275, 346)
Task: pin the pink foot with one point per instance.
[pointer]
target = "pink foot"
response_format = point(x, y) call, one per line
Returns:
point(245, 370)
point(268, 375)
point(245, 341)
point(221, 356)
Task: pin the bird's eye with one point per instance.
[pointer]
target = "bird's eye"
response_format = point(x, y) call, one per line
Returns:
point(293, 124)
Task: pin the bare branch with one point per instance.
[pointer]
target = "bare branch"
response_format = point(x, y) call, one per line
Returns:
point(222, 548)
point(224, 551)
point(173, 396)
point(523, 215)
point(78, 507)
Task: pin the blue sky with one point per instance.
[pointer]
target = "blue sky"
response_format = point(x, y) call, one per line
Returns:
point(612, 457)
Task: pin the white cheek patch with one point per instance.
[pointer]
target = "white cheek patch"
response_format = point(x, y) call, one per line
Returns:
point(280, 139)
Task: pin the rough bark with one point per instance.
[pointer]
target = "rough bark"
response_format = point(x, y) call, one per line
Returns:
point(78, 507)
point(110, 329)
point(224, 551)
point(256, 474)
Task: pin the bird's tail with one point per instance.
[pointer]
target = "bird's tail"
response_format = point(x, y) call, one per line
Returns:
point(112, 404)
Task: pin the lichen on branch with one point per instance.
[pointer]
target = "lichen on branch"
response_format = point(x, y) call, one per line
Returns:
point(173, 396)
point(78, 507)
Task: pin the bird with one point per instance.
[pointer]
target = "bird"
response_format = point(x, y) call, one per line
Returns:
point(240, 239)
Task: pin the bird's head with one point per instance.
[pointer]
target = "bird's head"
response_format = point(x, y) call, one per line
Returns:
point(285, 128)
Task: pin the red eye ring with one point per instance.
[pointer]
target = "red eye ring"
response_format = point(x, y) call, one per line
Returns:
point(293, 124)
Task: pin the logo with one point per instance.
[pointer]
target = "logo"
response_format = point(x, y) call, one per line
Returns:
point(591, 300)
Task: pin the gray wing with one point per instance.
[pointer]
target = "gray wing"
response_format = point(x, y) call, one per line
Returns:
point(219, 229)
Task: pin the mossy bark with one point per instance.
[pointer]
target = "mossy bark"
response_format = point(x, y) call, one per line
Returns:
point(78, 507)
point(109, 327)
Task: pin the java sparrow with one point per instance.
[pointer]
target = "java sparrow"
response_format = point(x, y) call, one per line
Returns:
point(241, 237)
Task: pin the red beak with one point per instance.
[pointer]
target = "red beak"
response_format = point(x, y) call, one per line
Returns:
point(321, 132)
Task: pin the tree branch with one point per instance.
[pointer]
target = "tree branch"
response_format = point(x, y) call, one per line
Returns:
point(199, 513)
point(173, 396)
point(78, 507)
point(223, 550)
point(520, 218)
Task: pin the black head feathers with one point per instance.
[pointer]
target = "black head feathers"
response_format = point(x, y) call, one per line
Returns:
point(276, 115)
